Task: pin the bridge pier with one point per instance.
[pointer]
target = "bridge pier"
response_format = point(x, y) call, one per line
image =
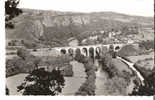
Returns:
point(85, 50)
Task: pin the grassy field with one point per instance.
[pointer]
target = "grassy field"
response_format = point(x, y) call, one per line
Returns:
point(141, 57)
point(146, 61)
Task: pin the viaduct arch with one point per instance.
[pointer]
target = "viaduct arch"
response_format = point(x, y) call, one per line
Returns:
point(89, 50)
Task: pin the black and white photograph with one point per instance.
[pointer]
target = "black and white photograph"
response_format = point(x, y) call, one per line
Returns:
point(79, 48)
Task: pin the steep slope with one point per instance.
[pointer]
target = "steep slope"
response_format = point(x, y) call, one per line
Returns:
point(34, 25)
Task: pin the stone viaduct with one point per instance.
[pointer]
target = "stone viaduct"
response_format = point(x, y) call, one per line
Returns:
point(85, 50)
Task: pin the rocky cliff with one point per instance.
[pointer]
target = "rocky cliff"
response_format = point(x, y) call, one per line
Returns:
point(54, 25)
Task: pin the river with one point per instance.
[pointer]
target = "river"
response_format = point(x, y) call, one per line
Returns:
point(72, 84)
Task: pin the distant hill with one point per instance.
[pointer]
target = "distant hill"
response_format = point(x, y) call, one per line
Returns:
point(34, 25)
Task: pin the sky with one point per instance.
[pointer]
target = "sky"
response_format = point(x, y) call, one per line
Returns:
point(132, 7)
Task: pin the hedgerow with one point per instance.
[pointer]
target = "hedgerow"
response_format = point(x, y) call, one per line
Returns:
point(88, 87)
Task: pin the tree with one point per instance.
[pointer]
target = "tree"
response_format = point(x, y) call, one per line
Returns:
point(23, 53)
point(148, 89)
point(78, 56)
point(6, 91)
point(11, 8)
point(42, 82)
point(107, 65)
point(11, 11)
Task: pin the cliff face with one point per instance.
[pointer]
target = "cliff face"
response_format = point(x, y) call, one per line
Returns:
point(33, 24)
point(58, 21)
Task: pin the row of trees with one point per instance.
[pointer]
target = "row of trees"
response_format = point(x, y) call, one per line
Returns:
point(88, 87)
